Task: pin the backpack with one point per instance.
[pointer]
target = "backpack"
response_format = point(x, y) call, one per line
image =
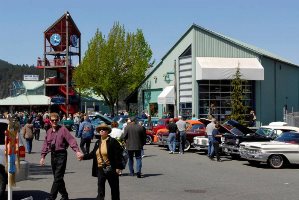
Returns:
point(87, 131)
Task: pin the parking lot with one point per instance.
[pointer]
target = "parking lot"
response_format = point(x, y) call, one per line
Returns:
point(191, 176)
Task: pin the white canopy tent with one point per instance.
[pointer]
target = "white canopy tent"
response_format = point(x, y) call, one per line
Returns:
point(25, 100)
point(214, 68)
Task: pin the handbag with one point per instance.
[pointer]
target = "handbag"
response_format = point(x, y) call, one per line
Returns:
point(106, 168)
point(124, 158)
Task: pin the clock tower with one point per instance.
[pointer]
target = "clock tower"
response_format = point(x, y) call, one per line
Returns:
point(62, 51)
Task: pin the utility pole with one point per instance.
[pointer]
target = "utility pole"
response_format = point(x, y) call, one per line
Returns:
point(175, 91)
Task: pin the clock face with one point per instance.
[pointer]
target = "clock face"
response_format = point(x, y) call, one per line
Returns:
point(55, 39)
point(74, 40)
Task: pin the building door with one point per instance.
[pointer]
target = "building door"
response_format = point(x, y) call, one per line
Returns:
point(170, 110)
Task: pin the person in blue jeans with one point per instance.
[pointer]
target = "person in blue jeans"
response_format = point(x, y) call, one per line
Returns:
point(172, 127)
point(135, 138)
point(28, 135)
point(209, 129)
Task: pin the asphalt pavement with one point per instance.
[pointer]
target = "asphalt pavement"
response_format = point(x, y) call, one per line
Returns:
point(191, 176)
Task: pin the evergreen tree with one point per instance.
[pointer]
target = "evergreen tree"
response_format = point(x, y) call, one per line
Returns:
point(238, 109)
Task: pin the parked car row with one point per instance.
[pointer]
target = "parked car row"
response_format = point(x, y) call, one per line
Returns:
point(195, 128)
point(275, 144)
point(283, 150)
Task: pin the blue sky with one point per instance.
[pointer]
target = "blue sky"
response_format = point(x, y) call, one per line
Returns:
point(270, 25)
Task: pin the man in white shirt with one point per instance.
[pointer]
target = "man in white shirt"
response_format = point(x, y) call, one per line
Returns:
point(181, 124)
point(209, 129)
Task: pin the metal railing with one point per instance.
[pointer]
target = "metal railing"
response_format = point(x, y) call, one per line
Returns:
point(291, 118)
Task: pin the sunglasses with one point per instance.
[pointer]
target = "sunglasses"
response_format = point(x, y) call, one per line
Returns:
point(54, 120)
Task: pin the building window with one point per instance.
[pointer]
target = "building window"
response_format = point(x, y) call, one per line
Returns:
point(186, 110)
point(215, 98)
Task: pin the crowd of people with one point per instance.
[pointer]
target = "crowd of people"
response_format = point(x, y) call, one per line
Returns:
point(108, 151)
point(107, 154)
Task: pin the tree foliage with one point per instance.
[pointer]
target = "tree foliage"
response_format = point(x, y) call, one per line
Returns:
point(113, 65)
point(10, 73)
point(238, 109)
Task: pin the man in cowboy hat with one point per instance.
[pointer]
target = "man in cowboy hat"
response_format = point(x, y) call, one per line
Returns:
point(135, 137)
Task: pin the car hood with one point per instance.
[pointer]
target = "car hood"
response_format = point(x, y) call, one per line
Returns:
point(265, 144)
point(242, 128)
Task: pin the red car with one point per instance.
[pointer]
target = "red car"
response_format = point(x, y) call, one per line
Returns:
point(162, 123)
point(194, 128)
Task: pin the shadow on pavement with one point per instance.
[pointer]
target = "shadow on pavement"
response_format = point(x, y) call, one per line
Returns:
point(149, 175)
point(36, 194)
point(36, 169)
point(84, 199)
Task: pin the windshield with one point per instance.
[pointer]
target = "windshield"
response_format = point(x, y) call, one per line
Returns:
point(101, 118)
point(236, 131)
point(197, 126)
point(289, 137)
point(265, 132)
point(161, 122)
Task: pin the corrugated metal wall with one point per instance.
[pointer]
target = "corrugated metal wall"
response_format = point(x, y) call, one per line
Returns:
point(208, 45)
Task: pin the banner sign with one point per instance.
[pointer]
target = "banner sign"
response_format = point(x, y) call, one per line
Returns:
point(28, 77)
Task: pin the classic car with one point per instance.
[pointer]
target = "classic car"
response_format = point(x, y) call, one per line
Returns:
point(195, 128)
point(283, 150)
point(274, 130)
point(162, 123)
point(201, 142)
point(149, 129)
point(68, 123)
point(238, 133)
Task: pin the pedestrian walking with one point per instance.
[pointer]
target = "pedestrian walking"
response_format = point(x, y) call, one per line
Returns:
point(135, 138)
point(47, 123)
point(115, 132)
point(77, 123)
point(37, 124)
point(107, 162)
point(28, 135)
point(86, 133)
point(172, 127)
point(181, 124)
point(57, 140)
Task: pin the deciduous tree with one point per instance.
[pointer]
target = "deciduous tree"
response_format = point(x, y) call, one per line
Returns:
point(113, 65)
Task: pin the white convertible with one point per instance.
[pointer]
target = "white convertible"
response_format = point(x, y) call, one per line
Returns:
point(283, 150)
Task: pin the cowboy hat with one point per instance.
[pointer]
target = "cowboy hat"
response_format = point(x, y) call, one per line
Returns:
point(103, 127)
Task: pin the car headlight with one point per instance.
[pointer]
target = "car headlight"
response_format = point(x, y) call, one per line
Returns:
point(222, 139)
point(237, 141)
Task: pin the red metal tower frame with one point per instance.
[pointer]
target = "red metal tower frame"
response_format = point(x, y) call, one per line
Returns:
point(61, 39)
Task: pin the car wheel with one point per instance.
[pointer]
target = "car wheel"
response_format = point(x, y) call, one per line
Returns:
point(253, 162)
point(149, 139)
point(2, 185)
point(73, 127)
point(276, 161)
point(187, 145)
point(235, 156)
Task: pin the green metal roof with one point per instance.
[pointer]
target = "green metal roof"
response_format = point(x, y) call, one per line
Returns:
point(252, 48)
point(245, 45)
